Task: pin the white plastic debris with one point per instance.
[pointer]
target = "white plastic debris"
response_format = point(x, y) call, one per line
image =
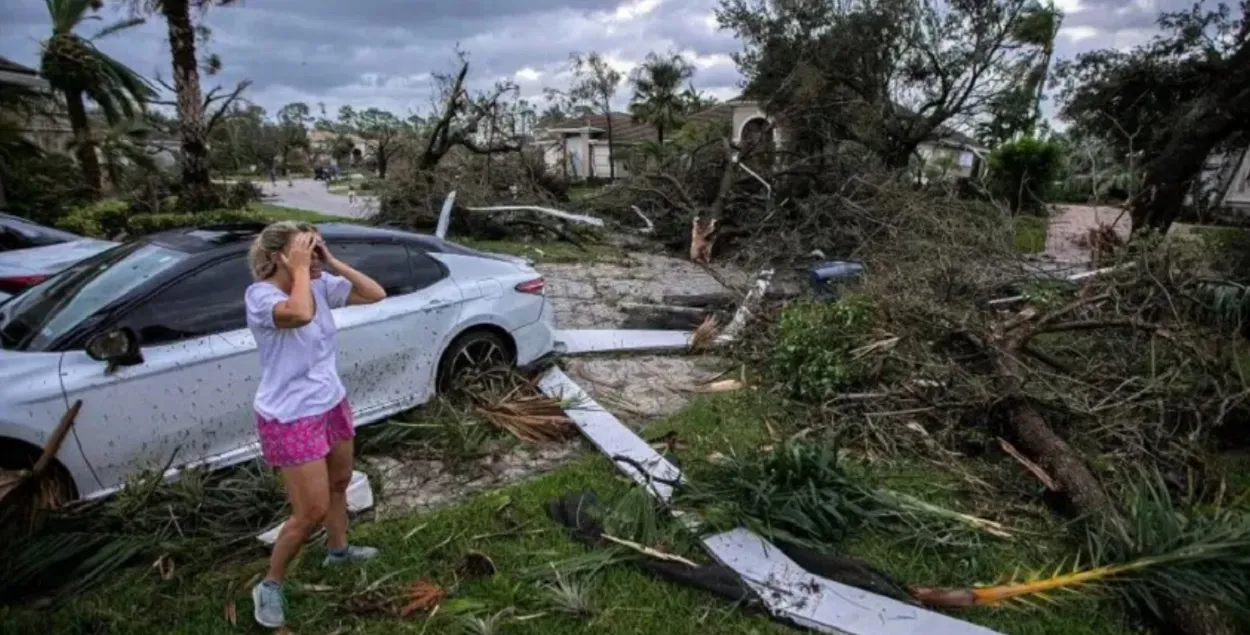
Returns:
point(578, 341)
point(749, 303)
point(359, 498)
point(576, 218)
point(611, 436)
point(825, 606)
point(788, 590)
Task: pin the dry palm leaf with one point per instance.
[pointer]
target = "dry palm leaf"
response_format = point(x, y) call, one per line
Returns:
point(424, 596)
point(531, 418)
point(705, 335)
point(25, 492)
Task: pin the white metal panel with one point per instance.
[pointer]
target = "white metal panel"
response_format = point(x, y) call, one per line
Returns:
point(575, 341)
point(823, 605)
point(611, 436)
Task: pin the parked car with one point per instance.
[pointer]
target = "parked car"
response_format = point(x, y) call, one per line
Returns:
point(151, 336)
point(19, 233)
point(23, 268)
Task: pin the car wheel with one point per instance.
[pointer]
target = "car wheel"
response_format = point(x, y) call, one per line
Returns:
point(473, 351)
point(18, 456)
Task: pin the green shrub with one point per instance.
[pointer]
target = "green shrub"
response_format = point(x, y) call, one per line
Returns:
point(44, 188)
point(142, 224)
point(1024, 172)
point(113, 219)
point(102, 219)
point(814, 356)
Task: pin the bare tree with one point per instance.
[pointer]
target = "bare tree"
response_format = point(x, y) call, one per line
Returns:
point(594, 85)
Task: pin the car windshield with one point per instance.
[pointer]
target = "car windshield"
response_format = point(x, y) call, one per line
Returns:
point(52, 308)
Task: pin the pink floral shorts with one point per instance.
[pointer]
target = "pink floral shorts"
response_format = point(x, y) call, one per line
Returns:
point(306, 439)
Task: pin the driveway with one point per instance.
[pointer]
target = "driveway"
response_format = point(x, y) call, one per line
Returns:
point(312, 195)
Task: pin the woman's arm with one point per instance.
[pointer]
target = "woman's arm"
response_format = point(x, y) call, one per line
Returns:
point(365, 290)
point(299, 308)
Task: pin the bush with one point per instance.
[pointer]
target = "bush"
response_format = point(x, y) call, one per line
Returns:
point(1024, 172)
point(112, 219)
point(814, 356)
point(44, 188)
point(102, 219)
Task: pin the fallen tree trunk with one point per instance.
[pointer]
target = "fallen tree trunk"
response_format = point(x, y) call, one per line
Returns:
point(1077, 481)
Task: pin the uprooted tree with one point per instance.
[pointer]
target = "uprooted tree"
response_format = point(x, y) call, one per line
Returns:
point(1174, 101)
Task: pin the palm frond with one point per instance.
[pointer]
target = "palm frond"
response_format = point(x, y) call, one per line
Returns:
point(118, 26)
point(1170, 555)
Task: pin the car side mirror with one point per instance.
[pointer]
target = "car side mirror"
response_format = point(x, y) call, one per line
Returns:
point(118, 347)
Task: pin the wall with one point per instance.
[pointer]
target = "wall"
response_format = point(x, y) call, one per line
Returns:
point(1238, 194)
point(955, 163)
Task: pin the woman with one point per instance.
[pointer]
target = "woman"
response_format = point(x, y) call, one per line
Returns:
point(302, 414)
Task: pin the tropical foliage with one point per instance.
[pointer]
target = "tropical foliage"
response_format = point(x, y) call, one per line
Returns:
point(79, 71)
point(658, 98)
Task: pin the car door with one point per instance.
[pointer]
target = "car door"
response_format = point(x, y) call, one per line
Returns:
point(387, 350)
point(189, 400)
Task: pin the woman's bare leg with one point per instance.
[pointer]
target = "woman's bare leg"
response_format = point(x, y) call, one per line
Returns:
point(308, 490)
point(339, 468)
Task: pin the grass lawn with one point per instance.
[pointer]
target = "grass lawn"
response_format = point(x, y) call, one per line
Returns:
point(278, 212)
point(1030, 234)
point(511, 528)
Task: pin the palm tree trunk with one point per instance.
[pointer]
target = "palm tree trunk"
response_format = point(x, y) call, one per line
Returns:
point(85, 146)
point(195, 172)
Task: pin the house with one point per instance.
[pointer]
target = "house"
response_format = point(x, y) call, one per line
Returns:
point(578, 146)
point(1226, 180)
point(322, 146)
point(953, 155)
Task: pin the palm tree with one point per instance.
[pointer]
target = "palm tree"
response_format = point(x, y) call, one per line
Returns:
point(658, 99)
point(189, 96)
point(79, 71)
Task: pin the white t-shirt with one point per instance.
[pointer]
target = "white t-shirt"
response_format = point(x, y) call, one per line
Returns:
point(298, 374)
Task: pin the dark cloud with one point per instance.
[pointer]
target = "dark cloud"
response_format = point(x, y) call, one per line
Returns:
point(381, 52)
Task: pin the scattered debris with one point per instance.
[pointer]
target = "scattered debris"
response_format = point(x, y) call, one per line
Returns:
point(583, 341)
point(232, 614)
point(24, 493)
point(749, 304)
point(825, 606)
point(1033, 468)
point(475, 564)
point(723, 385)
point(631, 454)
point(423, 596)
point(704, 337)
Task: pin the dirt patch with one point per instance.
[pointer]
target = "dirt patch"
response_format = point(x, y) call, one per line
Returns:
point(1067, 235)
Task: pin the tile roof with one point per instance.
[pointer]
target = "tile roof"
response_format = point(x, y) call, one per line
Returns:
point(9, 65)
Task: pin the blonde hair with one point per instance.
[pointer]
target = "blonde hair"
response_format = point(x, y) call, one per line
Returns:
point(270, 241)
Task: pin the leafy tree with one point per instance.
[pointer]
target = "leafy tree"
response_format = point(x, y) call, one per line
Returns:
point(1167, 104)
point(385, 131)
point(1024, 171)
point(886, 74)
point(79, 71)
point(594, 85)
point(291, 132)
point(658, 100)
point(189, 97)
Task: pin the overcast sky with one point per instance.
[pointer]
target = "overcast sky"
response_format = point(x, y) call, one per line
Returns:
point(380, 52)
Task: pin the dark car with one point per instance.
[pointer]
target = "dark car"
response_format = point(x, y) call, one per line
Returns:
point(19, 233)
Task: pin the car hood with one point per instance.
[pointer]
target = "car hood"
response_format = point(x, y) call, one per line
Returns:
point(51, 258)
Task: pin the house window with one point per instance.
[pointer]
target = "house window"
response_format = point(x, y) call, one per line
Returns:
point(966, 159)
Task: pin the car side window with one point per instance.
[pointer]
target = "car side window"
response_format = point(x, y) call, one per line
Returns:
point(387, 263)
point(202, 303)
point(425, 271)
point(11, 239)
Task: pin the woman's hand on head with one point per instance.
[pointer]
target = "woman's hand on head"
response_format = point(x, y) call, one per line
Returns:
point(298, 254)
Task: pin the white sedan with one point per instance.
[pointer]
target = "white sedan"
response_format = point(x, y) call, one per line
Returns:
point(151, 336)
